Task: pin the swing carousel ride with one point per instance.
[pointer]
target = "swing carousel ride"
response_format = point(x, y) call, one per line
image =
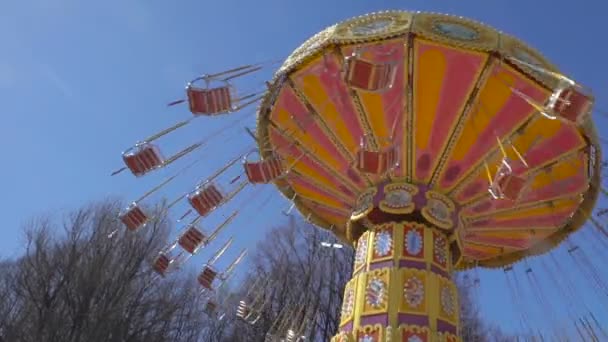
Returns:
point(429, 142)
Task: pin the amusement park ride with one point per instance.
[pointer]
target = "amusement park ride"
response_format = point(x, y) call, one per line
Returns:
point(429, 142)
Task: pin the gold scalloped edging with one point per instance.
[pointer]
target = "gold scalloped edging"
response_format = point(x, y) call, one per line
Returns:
point(417, 330)
point(364, 204)
point(420, 23)
point(398, 336)
point(343, 337)
point(376, 329)
point(328, 38)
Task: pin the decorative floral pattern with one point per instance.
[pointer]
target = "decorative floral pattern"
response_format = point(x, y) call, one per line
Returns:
point(447, 301)
point(376, 293)
point(361, 254)
point(383, 243)
point(349, 303)
point(371, 27)
point(413, 292)
point(455, 30)
point(414, 338)
point(440, 251)
point(439, 209)
point(398, 198)
point(413, 242)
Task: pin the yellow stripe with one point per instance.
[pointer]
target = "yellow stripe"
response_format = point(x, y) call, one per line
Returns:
point(485, 249)
point(493, 96)
point(316, 196)
point(309, 172)
point(374, 110)
point(283, 119)
point(558, 206)
point(430, 72)
point(560, 172)
point(310, 85)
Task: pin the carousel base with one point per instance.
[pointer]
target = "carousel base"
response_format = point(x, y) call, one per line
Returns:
point(401, 288)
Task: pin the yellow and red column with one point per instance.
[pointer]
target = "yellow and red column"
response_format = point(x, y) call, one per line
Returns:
point(401, 288)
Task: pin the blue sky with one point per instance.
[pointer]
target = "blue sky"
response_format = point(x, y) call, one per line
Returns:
point(82, 80)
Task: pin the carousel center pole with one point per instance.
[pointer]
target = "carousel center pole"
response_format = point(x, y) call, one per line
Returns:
point(401, 288)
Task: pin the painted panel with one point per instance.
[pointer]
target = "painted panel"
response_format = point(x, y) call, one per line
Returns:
point(498, 112)
point(293, 117)
point(443, 81)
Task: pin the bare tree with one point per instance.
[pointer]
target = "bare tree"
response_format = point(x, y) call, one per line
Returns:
point(82, 285)
point(76, 284)
point(473, 327)
point(300, 281)
point(298, 273)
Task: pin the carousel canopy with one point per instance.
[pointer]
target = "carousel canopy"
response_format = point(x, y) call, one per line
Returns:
point(400, 113)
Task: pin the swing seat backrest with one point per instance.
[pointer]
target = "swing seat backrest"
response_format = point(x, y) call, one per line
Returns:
point(512, 186)
point(265, 171)
point(507, 184)
point(133, 217)
point(369, 76)
point(161, 264)
point(377, 162)
point(143, 159)
point(571, 104)
point(206, 277)
point(210, 308)
point(191, 240)
point(210, 101)
point(205, 199)
point(242, 310)
point(290, 336)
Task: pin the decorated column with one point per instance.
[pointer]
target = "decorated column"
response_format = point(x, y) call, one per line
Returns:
point(402, 288)
point(430, 142)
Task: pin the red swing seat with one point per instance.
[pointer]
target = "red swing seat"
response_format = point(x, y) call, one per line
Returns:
point(133, 217)
point(264, 171)
point(206, 277)
point(506, 184)
point(368, 76)
point(191, 240)
point(377, 162)
point(161, 264)
point(210, 308)
point(571, 104)
point(143, 158)
point(205, 199)
point(210, 101)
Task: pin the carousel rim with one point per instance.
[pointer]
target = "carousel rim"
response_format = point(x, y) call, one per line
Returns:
point(423, 24)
